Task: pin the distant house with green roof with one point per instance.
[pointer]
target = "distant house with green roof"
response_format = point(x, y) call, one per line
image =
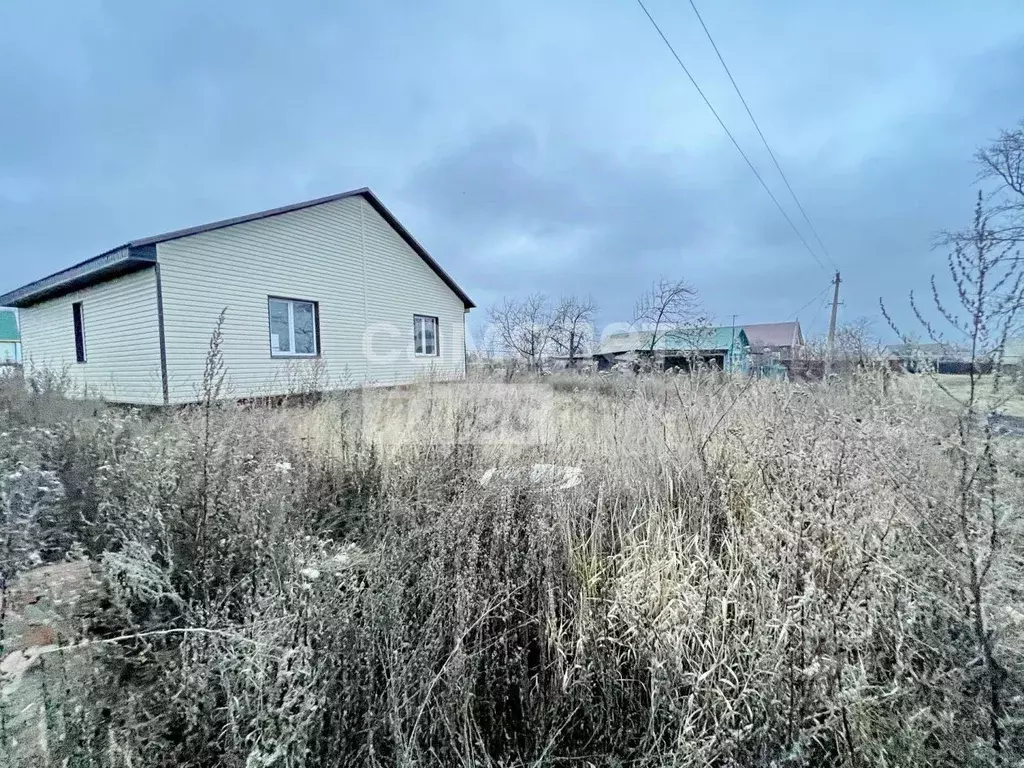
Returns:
point(725, 348)
point(10, 338)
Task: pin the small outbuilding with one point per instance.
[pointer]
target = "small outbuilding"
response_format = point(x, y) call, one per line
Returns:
point(933, 358)
point(723, 348)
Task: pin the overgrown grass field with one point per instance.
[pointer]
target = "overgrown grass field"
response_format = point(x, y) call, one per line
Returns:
point(740, 573)
point(1008, 399)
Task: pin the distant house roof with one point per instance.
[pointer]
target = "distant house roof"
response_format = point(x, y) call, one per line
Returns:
point(1013, 351)
point(775, 334)
point(624, 342)
point(926, 351)
point(677, 340)
point(9, 326)
point(142, 253)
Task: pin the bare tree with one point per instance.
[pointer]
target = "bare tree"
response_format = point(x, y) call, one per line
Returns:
point(573, 326)
point(505, 319)
point(1001, 165)
point(669, 306)
point(856, 345)
point(523, 327)
point(1002, 162)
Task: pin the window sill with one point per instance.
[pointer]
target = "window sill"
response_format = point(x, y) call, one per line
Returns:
point(293, 357)
point(423, 354)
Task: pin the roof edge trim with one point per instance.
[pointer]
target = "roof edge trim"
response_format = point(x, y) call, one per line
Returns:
point(98, 269)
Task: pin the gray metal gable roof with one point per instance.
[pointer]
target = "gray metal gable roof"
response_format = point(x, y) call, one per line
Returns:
point(141, 253)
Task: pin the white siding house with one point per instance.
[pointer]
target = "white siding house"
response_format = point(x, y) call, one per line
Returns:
point(332, 293)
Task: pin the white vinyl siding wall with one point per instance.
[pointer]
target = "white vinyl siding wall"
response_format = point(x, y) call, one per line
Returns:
point(121, 339)
point(367, 282)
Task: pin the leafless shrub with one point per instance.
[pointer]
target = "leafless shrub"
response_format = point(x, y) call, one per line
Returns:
point(36, 396)
point(306, 381)
point(988, 285)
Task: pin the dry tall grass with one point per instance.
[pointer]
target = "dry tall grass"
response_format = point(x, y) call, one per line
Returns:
point(751, 573)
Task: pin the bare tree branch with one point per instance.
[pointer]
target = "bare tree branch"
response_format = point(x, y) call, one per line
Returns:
point(987, 279)
point(1000, 163)
point(856, 345)
point(524, 327)
point(669, 306)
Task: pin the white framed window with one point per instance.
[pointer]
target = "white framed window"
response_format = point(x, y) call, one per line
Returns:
point(424, 334)
point(294, 327)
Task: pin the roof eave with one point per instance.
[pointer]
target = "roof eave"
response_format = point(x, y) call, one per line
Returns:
point(106, 266)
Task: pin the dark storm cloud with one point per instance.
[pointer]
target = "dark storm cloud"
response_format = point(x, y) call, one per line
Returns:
point(533, 146)
point(597, 223)
point(137, 118)
point(510, 180)
point(882, 217)
point(705, 218)
point(594, 222)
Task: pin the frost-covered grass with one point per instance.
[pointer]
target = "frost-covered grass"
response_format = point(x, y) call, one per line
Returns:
point(749, 573)
point(1009, 399)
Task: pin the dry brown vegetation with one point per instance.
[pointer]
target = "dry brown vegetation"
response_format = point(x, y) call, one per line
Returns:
point(751, 573)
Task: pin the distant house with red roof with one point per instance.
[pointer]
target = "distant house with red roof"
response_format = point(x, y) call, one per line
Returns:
point(775, 342)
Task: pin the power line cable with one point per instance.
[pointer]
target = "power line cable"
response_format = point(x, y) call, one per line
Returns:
point(816, 297)
point(728, 133)
point(767, 146)
point(817, 312)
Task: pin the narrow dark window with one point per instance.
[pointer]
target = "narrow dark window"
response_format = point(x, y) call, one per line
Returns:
point(76, 311)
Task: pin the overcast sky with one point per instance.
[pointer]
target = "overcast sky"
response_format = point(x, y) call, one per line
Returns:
point(530, 145)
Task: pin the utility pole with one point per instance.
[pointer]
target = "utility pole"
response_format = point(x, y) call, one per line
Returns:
point(832, 327)
point(732, 347)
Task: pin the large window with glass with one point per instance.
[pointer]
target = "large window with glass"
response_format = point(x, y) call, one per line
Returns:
point(424, 331)
point(294, 328)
